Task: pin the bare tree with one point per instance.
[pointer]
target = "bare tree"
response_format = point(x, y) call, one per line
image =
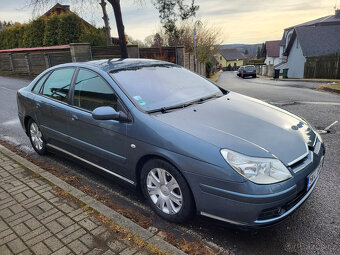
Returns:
point(148, 41)
point(208, 37)
point(106, 22)
point(120, 27)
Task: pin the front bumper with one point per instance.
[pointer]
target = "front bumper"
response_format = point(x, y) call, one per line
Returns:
point(250, 205)
point(279, 212)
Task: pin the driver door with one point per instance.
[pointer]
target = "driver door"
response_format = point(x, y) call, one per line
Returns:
point(102, 142)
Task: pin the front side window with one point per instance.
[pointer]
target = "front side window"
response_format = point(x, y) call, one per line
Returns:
point(58, 84)
point(91, 91)
point(154, 87)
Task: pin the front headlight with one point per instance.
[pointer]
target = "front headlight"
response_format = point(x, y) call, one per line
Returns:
point(257, 170)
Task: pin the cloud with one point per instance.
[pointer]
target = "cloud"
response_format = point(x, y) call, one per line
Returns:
point(243, 21)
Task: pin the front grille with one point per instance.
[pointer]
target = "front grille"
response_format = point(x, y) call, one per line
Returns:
point(303, 163)
point(278, 211)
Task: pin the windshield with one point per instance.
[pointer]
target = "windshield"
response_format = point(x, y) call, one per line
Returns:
point(162, 86)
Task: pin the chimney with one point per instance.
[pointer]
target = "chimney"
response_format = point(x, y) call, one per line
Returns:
point(337, 13)
point(66, 7)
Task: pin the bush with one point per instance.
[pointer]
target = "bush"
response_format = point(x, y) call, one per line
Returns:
point(208, 68)
point(94, 36)
point(54, 30)
point(70, 29)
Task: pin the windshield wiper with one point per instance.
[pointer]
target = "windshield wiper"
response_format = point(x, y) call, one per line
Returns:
point(169, 108)
point(203, 99)
point(181, 106)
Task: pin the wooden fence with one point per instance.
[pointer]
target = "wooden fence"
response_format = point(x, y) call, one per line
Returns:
point(326, 66)
point(168, 54)
point(32, 63)
point(105, 52)
point(189, 63)
point(35, 60)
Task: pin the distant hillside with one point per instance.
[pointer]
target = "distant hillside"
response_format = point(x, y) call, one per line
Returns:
point(252, 48)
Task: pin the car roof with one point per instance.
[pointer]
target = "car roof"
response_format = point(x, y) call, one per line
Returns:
point(109, 65)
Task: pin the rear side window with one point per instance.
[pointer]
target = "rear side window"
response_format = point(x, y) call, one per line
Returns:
point(58, 84)
point(38, 85)
point(91, 91)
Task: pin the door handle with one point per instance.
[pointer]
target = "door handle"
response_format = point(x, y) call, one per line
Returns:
point(74, 117)
point(37, 105)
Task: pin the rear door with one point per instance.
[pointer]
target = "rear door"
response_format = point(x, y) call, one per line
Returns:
point(51, 106)
point(102, 142)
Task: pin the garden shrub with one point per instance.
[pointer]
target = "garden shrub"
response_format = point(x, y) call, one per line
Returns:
point(53, 30)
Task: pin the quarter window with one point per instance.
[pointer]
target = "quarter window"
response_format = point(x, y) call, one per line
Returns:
point(91, 91)
point(38, 85)
point(58, 84)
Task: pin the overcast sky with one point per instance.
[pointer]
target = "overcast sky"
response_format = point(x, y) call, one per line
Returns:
point(241, 21)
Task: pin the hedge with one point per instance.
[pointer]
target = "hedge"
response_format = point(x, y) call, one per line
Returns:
point(54, 30)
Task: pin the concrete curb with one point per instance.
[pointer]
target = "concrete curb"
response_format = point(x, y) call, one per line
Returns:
point(298, 80)
point(331, 90)
point(119, 219)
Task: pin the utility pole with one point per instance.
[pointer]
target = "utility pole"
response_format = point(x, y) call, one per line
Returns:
point(197, 23)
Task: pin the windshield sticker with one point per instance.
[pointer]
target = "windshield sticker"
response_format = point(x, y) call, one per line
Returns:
point(141, 102)
point(137, 98)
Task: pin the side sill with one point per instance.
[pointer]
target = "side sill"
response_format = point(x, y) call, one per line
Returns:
point(92, 164)
point(222, 219)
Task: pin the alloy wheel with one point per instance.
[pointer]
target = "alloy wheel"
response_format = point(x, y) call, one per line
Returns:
point(164, 191)
point(36, 136)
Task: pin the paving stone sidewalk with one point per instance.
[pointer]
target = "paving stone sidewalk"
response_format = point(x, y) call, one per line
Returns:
point(34, 219)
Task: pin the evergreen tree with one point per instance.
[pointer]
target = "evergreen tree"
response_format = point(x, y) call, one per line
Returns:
point(70, 29)
point(51, 30)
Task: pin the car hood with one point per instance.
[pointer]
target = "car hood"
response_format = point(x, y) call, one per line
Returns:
point(272, 129)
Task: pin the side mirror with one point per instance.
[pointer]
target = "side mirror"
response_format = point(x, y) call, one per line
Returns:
point(108, 113)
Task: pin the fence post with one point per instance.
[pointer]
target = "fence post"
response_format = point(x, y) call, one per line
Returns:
point(180, 59)
point(80, 52)
point(28, 64)
point(47, 61)
point(337, 74)
point(189, 62)
point(133, 51)
point(11, 62)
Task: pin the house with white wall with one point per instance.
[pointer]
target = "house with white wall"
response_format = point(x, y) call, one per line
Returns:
point(272, 52)
point(313, 38)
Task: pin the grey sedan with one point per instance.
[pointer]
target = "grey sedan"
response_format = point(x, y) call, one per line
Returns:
point(188, 145)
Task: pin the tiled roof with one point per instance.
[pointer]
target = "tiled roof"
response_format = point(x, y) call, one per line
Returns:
point(319, 40)
point(58, 47)
point(232, 54)
point(323, 21)
point(273, 48)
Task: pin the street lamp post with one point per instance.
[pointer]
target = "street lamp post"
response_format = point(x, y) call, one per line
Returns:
point(197, 23)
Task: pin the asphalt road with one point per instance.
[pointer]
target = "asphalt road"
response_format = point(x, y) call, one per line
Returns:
point(313, 229)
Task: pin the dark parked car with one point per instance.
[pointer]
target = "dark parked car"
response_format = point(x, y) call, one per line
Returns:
point(245, 71)
point(189, 145)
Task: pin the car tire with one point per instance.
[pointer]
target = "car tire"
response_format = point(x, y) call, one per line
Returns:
point(254, 76)
point(167, 191)
point(36, 137)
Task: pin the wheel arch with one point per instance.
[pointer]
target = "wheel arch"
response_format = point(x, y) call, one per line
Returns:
point(26, 120)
